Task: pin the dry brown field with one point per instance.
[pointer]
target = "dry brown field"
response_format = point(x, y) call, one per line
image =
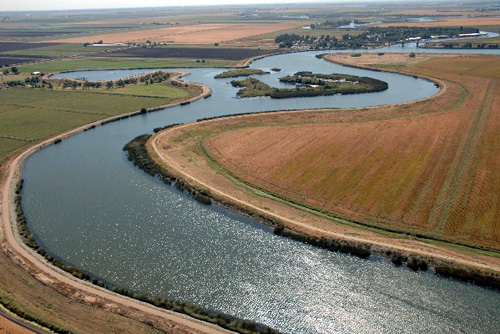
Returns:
point(197, 34)
point(449, 22)
point(8, 327)
point(428, 168)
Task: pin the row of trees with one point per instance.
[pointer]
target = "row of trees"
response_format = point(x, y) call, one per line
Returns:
point(150, 78)
point(33, 81)
point(396, 34)
point(373, 36)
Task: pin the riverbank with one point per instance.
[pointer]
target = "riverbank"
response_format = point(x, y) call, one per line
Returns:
point(96, 303)
point(185, 152)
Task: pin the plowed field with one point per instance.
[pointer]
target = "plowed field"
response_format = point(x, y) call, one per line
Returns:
point(429, 168)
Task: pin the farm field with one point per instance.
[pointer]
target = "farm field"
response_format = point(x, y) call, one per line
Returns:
point(191, 52)
point(17, 60)
point(102, 63)
point(29, 115)
point(15, 53)
point(459, 142)
point(195, 34)
point(425, 168)
point(156, 90)
point(51, 49)
point(45, 31)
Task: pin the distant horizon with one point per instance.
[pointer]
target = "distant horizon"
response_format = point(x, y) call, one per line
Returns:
point(62, 5)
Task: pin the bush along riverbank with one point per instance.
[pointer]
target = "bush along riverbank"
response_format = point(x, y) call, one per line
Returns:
point(308, 84)
point(223, 320)
point(141, 157)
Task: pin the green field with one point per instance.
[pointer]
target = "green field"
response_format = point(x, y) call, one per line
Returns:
point(157, 90)
point(28, 115)
point(70, 32)
point(120, 63)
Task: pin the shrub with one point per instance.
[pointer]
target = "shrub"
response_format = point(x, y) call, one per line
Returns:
point(412, 55)
point(468, 275)
point(396, 259)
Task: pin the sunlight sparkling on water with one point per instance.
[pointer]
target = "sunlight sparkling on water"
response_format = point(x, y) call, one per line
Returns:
point(106, 216)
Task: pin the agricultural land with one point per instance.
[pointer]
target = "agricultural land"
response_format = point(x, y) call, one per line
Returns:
point(357, 174)
point(429, 210)
point(28, 115)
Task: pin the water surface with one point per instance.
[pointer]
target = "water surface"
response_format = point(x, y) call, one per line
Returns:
point(86, 203)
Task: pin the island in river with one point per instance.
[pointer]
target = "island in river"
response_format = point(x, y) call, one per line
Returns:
point(308, 84)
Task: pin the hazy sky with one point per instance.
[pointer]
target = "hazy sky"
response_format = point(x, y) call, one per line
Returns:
point(84, 4)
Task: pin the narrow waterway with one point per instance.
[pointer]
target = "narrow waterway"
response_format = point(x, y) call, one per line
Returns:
point(88, 205)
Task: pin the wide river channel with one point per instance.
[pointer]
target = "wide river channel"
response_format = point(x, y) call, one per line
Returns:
point(87, 204)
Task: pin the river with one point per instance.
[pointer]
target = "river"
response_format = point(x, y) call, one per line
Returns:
point(86, 203)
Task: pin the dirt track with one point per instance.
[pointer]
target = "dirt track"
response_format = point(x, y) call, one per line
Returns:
point(64, 282)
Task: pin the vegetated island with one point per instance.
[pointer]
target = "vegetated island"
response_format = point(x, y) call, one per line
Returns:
point(359, 183)
point(240, 73)
point(308, 84)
